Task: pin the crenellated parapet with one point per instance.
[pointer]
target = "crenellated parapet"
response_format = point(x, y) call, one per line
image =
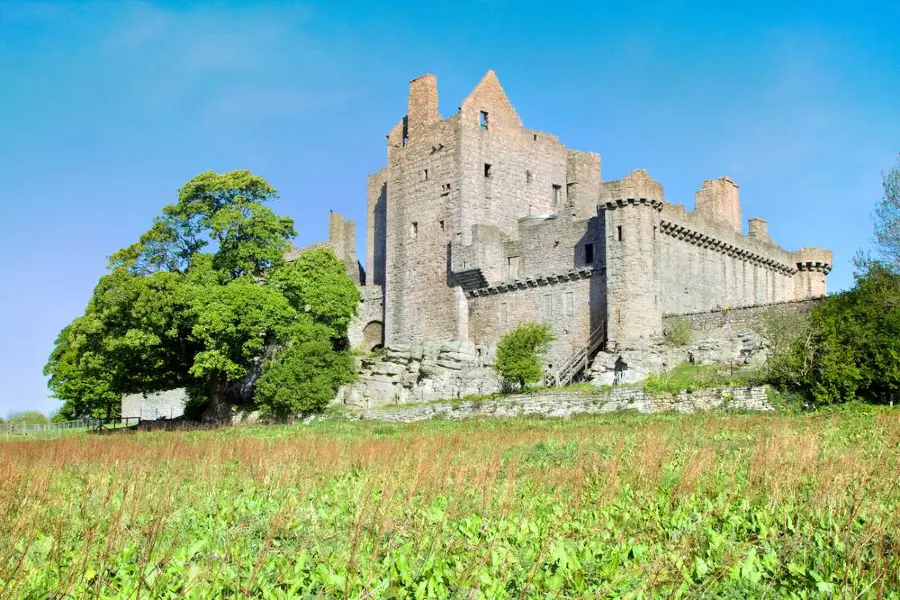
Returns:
point(703, 240)
point(813, 259)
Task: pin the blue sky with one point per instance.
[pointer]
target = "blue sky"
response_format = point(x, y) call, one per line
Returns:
point(106, 108)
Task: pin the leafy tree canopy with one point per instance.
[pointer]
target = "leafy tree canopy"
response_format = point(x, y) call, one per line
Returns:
point(520, 353)
point(197, 301)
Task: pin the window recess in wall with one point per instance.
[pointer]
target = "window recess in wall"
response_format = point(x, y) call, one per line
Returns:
point(619, 233)
point(528, 177)
point(557, 192)
point(483, 119)
point(487, 170)
point(588, 254)
point(414, 229)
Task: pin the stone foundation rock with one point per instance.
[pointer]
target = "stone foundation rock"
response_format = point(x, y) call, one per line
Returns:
point(416, 373)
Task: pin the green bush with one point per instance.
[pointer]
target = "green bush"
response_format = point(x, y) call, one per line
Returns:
point(520, 353)
point(679, 331)
point(851, 348)
point(304, 375)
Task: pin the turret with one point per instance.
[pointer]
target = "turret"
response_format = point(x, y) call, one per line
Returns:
point(629, 211)
point(813, 264)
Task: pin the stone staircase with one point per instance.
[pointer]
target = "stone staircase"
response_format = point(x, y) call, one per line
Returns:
point(577, 362)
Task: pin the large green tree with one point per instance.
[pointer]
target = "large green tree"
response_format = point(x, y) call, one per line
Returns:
point(198, 301)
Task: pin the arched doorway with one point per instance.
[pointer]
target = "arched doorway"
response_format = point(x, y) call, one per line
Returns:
point(373, 335)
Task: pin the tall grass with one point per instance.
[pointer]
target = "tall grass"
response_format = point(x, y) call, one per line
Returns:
point(710, 505)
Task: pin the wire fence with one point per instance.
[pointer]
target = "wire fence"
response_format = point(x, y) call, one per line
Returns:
point(20, 429)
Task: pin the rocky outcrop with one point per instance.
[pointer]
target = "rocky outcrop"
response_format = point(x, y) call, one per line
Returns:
point(403, 374)
point(565, 404)
point(729, 344)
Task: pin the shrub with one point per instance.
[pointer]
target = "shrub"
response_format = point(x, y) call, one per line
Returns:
point(679, 331)
point(520, 353)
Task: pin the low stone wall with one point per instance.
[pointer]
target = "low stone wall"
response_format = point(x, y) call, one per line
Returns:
point(158, 405)
point(564, 404)
point(742, 318)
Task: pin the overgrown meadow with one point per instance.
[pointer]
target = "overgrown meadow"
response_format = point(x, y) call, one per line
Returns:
point(703, 506)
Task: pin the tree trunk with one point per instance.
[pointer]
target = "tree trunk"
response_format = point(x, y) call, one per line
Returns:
point(218, 410)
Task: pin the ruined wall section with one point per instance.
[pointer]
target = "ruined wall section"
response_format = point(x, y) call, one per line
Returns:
point(422, 210)
point(527, 170)
point(582, 184)
point(545, 245)
point(376, 226)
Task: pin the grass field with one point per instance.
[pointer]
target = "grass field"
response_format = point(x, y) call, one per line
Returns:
point(714, 505)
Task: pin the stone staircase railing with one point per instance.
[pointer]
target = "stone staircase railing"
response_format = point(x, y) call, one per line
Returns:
point(578, 361)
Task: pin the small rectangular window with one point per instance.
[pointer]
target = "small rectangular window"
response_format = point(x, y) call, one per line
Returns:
point(556, 193)
point(487, 170)
point(442, 225)
point(619, 232)
point(588, 254)
point(426, 174)
point(405, 140)
point(483, 120)
point(528, 177)
point(534, 137)
point(414, 230)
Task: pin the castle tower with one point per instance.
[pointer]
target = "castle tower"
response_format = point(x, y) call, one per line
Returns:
point(629, 211)
point(813, 264)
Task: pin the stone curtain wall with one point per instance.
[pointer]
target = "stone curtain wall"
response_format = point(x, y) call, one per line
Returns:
point(159, 405)
point(565, 404)
point(706, 265)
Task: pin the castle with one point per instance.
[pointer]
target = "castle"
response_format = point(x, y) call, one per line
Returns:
point(477, 224)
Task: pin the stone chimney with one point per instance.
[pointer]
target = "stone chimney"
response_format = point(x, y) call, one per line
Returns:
point(759, 229)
